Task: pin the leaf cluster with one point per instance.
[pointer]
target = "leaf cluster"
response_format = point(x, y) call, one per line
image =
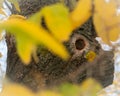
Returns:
point(88, 88)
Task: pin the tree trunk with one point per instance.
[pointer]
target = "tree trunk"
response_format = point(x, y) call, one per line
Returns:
point(52, 70)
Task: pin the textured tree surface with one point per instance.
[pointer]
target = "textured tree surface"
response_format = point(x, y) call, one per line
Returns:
point(52, 70)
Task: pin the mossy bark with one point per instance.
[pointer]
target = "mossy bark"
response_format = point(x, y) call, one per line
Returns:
point(52, 70)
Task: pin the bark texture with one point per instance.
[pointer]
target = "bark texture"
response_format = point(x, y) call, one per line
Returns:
point(52, 70)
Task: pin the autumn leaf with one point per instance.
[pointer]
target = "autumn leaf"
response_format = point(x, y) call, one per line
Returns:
point(107, 19)
point(25, 48)
point(19, 90)
point(57, 20)
point(81, 13)
point(89, 86)
point(48, 93)
point(2, 12)
point(69, 89)
point(15, 90)
point(29, 34)
point(1, 3)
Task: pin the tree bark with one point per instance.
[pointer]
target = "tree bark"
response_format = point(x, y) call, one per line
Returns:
point(52, 70)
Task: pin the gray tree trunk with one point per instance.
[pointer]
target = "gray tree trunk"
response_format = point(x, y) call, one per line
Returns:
point(52, 70)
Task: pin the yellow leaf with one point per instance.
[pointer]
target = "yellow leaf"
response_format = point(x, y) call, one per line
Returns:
point(48, 93)
point(35, 34)
point(114, 34)
point(15, 90)
point(2, 12)
point(12, 89)
point(100, 28)
point(1, 3)
point(56, 19)
point(81, 13)
point(16, 4)
point(91, 87)
point(107, 19)
point(108, 7)
point(25, 48)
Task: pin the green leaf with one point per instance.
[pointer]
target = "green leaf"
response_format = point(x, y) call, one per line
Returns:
point(69, 90)
point(89, 86)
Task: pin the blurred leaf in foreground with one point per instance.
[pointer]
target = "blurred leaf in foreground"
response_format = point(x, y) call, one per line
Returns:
point(107, 19)
point(1, 3)
point(91, 87)
point(69, 90)
point(48, 93)
point(28, 35)
point(81, 13)
point(2, 12)
point(88, 88)
point(56, 19)
point(15, 90)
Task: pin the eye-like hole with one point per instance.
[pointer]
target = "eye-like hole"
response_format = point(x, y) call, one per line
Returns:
point(80, 44)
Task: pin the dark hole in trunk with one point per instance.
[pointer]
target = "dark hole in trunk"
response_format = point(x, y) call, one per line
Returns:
point(80, 44)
